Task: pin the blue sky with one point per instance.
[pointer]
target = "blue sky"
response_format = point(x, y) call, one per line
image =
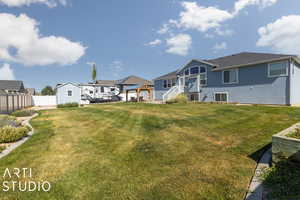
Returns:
point(45, 42)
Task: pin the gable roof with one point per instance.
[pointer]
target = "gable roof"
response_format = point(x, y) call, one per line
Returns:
point(11, 85)
point(246, 59)
point(167, 76)
point(106, 82)
point(63, 84)
point(133, 80)
point(197, 60)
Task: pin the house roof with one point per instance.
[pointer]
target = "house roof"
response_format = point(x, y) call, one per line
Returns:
point(246, 58)
point(133, 80)
point(106, 82)
point(167, 76)
point(11, 85)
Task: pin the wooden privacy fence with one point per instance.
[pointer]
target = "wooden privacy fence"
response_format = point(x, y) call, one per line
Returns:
point(11, 102)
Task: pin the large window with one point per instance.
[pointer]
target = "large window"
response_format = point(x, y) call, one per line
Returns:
point(187, 72)
point(221, 97)
point(278, 69)
point(173, 81)
point(102, 89)
point(194, 70)
point(230, 76)
point(169, 83)
point(203, 76)
point(165, 83)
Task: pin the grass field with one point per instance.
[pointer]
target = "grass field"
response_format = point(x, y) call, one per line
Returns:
point(147, 152)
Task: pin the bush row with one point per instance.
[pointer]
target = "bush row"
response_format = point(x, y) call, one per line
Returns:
point(12, 134)
point(23, 113)
point(68, 105)
point(181, 98)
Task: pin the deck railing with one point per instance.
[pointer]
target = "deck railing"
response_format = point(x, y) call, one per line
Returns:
point(172, 92)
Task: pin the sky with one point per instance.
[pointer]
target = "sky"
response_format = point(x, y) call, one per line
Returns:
point(45, 42)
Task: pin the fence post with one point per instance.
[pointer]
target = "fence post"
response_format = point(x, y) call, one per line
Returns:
point(13, 102)
point(7, 103)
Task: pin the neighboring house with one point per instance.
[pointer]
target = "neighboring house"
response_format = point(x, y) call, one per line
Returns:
point(12, 87)
point(68, 93)
point(101, 91)
point(255, 78)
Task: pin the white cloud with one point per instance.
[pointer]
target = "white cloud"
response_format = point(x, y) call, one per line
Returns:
point(179, 44)
point(201, 18)
point(283, 35)
point(21, 42)
point(18, 3)
point(220, 46)
point(241, 4)
point(6, 73)
point(154, 43)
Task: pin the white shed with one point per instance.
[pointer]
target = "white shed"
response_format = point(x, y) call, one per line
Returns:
point(68, 93)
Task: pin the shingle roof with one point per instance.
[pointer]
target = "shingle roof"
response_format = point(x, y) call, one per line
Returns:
point(133, 80)
point(11, 85)
point(106, 82)
point(167, 76)
point(245, 58)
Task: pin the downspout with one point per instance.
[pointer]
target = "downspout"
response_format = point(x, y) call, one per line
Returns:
point(290, 81)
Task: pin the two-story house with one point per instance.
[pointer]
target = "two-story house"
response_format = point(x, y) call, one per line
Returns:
point(254, 78)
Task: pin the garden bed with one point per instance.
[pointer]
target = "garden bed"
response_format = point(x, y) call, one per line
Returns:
point(286, 145)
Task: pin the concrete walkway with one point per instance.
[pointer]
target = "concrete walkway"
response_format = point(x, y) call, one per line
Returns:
point(256, 188)
point(13, 146)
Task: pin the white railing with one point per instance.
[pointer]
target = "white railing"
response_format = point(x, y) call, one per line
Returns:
point(172, 92)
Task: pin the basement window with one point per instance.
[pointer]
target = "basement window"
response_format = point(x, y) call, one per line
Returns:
point(221, 97)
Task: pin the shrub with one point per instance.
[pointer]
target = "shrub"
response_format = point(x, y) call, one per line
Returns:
point(181, 98)
point(12, 134)
point(68, 105)
point(23, 113)
point(9, 120)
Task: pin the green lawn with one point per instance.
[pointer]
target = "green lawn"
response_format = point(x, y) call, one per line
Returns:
point(147, 152)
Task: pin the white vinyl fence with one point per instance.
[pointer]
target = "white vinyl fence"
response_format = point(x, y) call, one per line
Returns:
point(44, 101)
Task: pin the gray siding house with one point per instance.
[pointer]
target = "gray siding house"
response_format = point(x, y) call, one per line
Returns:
point(255, 78)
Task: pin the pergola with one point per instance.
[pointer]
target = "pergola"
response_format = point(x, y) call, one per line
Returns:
point(139, 89)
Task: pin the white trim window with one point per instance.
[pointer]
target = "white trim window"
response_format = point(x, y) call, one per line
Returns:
point(194, 70)
point(70, 93)
point(230, 76)
point(221, 96)
point(203, 75)
point(278, 69)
